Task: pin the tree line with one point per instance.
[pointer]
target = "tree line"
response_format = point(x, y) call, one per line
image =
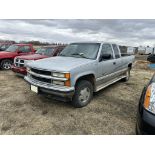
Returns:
point(34, 42)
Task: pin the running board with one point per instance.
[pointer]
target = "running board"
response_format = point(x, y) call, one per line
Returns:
point(109, 83)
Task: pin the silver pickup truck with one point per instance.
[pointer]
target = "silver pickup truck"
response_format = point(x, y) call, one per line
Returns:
point(80, 69)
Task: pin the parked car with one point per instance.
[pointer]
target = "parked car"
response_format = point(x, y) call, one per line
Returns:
point(7, 56)
point(44, 52)
point(151, 58)
point(145, 123)
point(4, 46)
point(79, 70)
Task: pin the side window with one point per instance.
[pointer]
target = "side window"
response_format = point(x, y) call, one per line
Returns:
point(25, 49)
point(116, 51)
point(106, 49)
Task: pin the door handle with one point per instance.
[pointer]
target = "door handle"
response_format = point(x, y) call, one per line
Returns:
point(114, 63)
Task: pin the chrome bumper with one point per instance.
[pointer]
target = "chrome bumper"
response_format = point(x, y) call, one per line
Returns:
point(62, 91)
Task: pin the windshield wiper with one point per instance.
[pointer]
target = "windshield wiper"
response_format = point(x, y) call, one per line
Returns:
point(40, 53)
point(62, 55)
point(80, 54)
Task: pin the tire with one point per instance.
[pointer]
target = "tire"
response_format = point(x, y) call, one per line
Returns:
point(127, 75)
point(6, 64)
point(136, 130)
point(83, 94)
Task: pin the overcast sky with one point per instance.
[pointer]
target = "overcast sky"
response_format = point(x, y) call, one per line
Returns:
point(125, 32)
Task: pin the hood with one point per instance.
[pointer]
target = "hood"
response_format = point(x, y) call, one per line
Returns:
point(32, 57)
point(60, 63)
point(5, 54)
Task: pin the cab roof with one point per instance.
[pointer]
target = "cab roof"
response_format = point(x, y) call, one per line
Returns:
point(99, 42)
point(54, 46)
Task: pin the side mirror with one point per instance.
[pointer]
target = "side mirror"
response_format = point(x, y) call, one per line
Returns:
point(105, 57)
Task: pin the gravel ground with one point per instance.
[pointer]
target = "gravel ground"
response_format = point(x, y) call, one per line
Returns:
point(141, 57)
point(112, 111)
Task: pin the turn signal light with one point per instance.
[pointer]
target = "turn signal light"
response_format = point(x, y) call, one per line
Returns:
point(68, 83)
point(147, 97)
point(67, 75)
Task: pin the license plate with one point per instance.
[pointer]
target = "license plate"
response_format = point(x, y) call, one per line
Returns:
point(34, 89)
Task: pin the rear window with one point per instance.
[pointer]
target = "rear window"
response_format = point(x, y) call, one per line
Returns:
point(116, 51)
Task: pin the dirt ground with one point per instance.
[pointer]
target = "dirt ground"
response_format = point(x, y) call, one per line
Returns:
point(112, 111)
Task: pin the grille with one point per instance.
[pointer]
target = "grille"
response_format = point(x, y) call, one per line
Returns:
point(40, 71)
point(41, 79)
point(19, 63)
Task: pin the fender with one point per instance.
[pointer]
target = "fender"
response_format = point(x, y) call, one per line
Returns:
point(7, 55)
point(82, 75)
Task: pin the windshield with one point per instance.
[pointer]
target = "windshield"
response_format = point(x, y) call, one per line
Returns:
point(12, 48)
point(45, 51)
point(81, 50)
point(4, 47)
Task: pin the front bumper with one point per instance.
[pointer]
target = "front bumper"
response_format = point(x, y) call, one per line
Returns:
point(145, 123)
point(57, 91)
point(19, 70)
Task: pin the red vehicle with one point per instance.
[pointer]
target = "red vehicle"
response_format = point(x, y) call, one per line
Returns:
point(44, 52)
point(7, 56)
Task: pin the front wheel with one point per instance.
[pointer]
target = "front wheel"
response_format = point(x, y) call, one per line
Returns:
point(83, 94)
point(6, 64)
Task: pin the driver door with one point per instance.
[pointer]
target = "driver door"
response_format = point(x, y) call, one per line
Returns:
point(106, 67)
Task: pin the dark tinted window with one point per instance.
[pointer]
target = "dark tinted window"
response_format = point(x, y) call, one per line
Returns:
point(116, 51)
point(106, 49)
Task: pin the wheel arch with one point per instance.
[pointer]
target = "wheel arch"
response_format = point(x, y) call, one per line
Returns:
point(6, 59)
point(88, 77)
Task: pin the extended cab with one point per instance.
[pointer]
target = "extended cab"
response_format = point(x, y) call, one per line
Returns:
point(79, 70)
point(7, 56)
point(44, 52)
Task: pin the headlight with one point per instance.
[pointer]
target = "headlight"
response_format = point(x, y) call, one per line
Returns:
point(149, 102)
point(61, 75)
point(66, 82)
point(58, 83)
point(62, 83)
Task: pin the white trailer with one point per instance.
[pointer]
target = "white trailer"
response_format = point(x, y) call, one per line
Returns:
point(141, 50)
point(149, 50)
point(130, 50)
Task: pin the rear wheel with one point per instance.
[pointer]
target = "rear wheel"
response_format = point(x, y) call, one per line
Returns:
point(127, 74)
point(83, 94)
point(6, 64)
